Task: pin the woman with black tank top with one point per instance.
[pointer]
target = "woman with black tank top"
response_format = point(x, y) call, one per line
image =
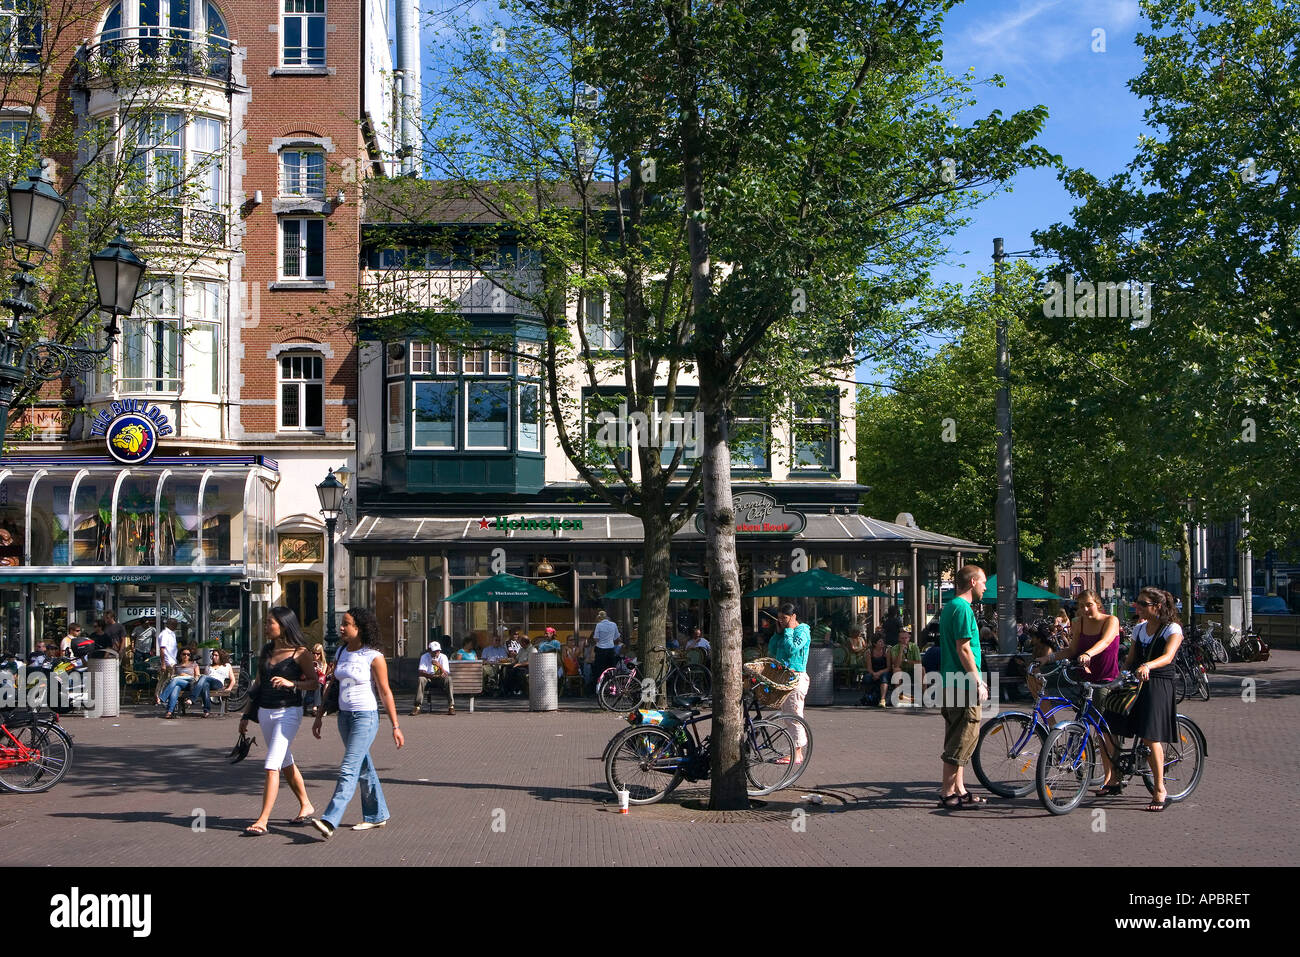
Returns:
point(1154, 717)
point(285, 671)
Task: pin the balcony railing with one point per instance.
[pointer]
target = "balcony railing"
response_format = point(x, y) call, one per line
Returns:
point(395, 291)
point(206, 228)
point(155, 51)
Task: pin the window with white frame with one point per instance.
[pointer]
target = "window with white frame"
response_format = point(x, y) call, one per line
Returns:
point(201, 346)
point(530, 417)
point(498, 362)
point(749, 437)
point(433, 420)
point(677, 429)
point(151, 340)
point(487, 415)
point(448, 360)
point(602, 321)
point(474, 361)
point(158, 157)
point(303, 31)
point(816, 432)
point(421, 358)
point(302, 173)
point(302, 392)
point(396, 433)
point(302, 249)
point(207, 151)
point(20, 32)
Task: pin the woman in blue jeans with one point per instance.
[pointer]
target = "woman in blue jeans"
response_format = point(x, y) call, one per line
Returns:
point(360, 670)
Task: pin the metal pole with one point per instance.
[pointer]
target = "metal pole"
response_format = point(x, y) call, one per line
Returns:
point(1008, 558)
point(331, 626)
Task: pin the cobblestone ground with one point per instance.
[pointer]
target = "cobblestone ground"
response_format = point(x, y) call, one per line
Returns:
point(504, 786)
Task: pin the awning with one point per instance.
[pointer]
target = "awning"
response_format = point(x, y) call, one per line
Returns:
point(136, 574)
point(383, 532)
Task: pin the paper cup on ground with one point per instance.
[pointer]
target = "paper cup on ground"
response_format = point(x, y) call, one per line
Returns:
point(622, 801)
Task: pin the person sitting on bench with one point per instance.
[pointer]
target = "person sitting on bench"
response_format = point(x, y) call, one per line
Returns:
point(434, 666)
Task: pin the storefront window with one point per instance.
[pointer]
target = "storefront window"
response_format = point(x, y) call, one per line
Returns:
point(13, 518)
point(223, 524)
point(179, 520)
point(92, 521)
point(134, 519)
point(49, 518)
point(224, 604)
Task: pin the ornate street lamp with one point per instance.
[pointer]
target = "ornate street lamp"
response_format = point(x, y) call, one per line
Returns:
point(35, 211)
point(331, 493)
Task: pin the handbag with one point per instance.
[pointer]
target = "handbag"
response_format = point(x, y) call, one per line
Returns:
point(241, 748)
point(1121, 700)
point(329, 699)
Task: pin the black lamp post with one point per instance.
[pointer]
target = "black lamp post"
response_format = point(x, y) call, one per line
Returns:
point(331, 493)
point(35, 211)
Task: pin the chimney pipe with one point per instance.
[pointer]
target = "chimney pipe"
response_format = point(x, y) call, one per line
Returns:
point(407, 75)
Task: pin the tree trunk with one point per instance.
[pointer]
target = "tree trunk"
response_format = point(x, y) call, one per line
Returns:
point(653, 608)
point(728, 791)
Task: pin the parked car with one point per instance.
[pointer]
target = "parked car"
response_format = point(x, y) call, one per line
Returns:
point(1269, 605)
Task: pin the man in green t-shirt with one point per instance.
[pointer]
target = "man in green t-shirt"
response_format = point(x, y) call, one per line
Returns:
point(959, 657)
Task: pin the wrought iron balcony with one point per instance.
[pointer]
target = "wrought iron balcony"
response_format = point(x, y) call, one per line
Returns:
point(155, 52)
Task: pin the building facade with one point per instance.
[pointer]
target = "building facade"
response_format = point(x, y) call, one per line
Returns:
point(251, 128)
point(460, 473)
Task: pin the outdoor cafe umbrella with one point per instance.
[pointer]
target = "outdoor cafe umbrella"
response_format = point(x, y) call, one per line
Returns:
point(816, 583)
point(506, 588)
point(678, 587)
point(1024, 592)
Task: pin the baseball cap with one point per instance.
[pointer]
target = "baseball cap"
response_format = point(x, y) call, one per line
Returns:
point(435, 646)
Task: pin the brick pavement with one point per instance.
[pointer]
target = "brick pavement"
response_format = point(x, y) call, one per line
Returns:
point(138, 783)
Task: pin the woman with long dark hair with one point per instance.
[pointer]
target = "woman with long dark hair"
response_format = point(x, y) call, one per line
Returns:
point(284, 672)
point(1154, 717)
point(361, 671)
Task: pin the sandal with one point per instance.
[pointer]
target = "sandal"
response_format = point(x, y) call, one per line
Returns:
point(254, 830)
point(951, 803)
point(1109, 790)
point(169, 714)
point(302, 819)
point(970, 800)
point(1155, 807)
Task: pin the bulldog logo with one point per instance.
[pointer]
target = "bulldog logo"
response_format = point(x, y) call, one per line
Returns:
point(132, 439)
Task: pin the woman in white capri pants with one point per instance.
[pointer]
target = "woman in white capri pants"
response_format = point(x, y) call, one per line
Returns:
point(790, 647)
point(285, 671)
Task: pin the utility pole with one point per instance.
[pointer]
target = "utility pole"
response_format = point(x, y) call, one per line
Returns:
point(1008, 538)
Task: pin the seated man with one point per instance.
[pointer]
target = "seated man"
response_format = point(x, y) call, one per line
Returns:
point(434, 666)
point(493, 655)
point(698, 641)
point(514, 671)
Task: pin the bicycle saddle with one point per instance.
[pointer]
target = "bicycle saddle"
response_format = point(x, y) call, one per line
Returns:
point(688, 700)
point(683, 716)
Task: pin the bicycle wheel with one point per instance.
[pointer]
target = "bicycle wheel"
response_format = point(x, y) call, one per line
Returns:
point(1250, 648)
point(51, 756)
point(768, 752)
point(1006, 756)
point(239, 693)
point(646, 761)
point(1180, 681)
point(793, 723)
point(1184, 762)
point(613, 689)
point(1065, 767)
point(1202, 684)
point(691, 680)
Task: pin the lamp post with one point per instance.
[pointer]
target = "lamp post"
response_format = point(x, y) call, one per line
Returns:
point(35, 211)
point(331, 493)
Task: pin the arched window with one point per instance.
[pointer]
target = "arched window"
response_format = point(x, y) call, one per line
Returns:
point(187, 34)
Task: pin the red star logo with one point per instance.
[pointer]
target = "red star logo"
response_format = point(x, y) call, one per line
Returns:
point(483, 523)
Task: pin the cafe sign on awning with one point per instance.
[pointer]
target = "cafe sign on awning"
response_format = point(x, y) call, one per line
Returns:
point(758, 513)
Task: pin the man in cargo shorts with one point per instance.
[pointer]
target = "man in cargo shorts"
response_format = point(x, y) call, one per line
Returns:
point(963, 688)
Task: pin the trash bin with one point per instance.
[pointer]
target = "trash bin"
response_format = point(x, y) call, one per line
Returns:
point(105, 687)
point(542, 681)
point(821, 676)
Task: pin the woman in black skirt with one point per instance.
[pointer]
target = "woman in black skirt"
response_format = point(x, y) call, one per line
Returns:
point(1154, 717)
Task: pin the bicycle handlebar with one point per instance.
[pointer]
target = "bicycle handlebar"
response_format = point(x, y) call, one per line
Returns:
point(1069, 664)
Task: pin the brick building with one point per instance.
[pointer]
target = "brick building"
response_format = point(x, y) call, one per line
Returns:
point(252, 127)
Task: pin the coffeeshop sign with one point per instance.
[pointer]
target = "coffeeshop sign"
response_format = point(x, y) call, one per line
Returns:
point(758, 513)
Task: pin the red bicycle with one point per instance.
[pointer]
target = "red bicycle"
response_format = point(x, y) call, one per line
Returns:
point(35, 752)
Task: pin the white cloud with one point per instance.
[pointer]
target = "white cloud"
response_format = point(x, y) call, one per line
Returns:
point(1011, 23)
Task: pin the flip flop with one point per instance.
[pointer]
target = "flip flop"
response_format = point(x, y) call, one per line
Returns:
point(1155, 807)
point(1109, 790)
point(254, 830)
point(302, 819)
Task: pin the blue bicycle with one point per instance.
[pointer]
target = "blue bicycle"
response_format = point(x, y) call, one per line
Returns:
point(1069, 760)
point(1006, 756)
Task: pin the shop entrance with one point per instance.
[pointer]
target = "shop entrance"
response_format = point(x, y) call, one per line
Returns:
point(399, 606)
point(302, 593)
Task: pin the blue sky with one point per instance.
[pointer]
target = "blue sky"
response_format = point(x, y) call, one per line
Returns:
point(1043, 49)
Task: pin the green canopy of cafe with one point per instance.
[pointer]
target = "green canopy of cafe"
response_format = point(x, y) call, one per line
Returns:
point(505, 588)
point(816, 583)
point(678, 587)
point(1024, 592)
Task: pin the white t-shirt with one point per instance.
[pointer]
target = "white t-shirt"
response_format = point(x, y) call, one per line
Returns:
point(167, 647)
point(605, 633)
point(356, 684)
point(220, 672)
point(428, 660)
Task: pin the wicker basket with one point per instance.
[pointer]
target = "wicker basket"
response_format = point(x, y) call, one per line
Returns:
point(770, 681)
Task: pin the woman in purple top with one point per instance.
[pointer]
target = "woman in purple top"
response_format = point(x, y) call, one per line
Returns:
point(1094, 643)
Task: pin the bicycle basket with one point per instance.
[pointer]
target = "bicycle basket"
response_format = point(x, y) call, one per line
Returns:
point(770, 681)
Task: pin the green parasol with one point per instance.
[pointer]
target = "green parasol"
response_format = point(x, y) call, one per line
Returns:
point(678, 587)
point(505, 588)
point(817, 583)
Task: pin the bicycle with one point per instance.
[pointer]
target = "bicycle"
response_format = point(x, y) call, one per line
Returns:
point(618, 689)
point(243, 682)
point(1245, 647)
point(648, 760)
point(35, 752)
point(1068, 761)
point(1191, 678)
point(1014, 740)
